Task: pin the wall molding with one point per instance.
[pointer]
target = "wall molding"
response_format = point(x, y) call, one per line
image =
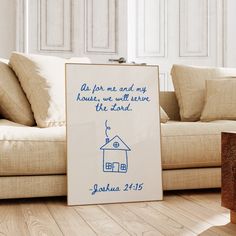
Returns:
point(46, 28)
point(20, 25)
point(194, 41)
point(224, 32)
point(146, 44)
point(101, 34)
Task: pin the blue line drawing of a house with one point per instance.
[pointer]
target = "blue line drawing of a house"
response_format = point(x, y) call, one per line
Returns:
point(115, 155)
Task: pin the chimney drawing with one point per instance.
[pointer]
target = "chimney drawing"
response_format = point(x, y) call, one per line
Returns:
point(107, 128)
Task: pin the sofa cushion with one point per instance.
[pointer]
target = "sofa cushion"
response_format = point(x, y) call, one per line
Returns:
point(169, 103)
point(189, 84)
point(31, 150)
point(13, 102)
point(163, 115)
point(193, 144)
point(192, 178)
point(220, 100)
point(42, 79)
point(35, 151)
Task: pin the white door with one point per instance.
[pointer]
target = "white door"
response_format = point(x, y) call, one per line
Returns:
point(72, 28)
point(169, 32)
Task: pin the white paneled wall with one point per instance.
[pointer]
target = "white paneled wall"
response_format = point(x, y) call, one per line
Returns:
point(183, 31)
point(50, 29)
point(7, 27)
point(55, 25)
point(230, 33)
point(150, 22)
point(194, 28)
point(163, 32)
point(100, 26)
point(92, 28)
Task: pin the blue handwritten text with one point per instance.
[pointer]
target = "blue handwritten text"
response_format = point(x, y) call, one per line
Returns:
point(109, 188)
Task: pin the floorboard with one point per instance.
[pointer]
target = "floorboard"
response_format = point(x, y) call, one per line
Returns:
point(69, 221)
point(208, 215)
point(38, 219)
point(133, 224)
point(162, 222)
point(11, 221)
point(207, 200)
point(191, 222)
point(99, 221)
point(195, 212)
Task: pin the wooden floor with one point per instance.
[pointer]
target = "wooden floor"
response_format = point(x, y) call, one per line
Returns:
point(181, 213)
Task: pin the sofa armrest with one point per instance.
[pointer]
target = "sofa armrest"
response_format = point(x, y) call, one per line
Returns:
point(169, 103)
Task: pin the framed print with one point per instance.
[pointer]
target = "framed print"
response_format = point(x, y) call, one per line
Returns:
point(113, 133)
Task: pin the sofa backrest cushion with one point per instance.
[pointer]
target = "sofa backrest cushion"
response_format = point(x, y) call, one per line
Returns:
point(220, 100)
point(14, 105)
point(43, 81)
point(189, 84)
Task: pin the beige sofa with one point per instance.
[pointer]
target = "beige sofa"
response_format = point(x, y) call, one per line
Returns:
point(33, 160)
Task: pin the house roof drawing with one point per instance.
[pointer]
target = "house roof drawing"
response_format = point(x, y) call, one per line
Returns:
point(116, 143)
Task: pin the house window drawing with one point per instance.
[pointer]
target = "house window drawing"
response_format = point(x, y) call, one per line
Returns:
point(115, 153)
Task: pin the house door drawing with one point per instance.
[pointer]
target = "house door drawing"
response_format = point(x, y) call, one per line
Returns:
point(115, 167)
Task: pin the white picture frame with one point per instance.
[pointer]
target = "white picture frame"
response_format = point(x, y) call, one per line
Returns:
point(113, 133)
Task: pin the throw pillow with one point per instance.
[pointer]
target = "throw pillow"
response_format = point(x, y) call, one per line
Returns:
point(14, 105)
point(220, 100)
point(43, 80)
point(189, 84)
point(164, 116)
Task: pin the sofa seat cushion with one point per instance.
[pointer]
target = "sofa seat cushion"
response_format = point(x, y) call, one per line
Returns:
point(193, 144)
point(31, 150)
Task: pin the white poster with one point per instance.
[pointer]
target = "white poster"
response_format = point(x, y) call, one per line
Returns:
point(113, 134)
